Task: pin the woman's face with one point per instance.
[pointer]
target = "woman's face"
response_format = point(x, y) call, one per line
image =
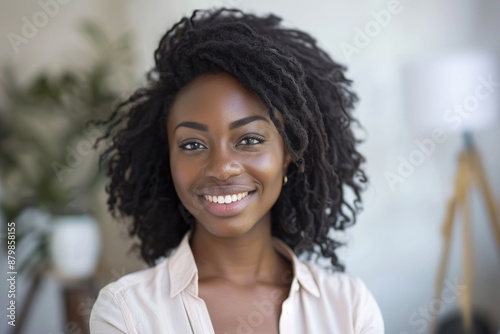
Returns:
point(226, 156)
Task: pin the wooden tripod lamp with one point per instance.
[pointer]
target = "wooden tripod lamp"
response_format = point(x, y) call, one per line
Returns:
point(459, 93)
point(470, 173)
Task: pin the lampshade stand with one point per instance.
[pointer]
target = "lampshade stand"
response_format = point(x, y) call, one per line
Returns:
point(470, 172)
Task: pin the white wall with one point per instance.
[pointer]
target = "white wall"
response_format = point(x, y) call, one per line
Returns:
point(396, 245)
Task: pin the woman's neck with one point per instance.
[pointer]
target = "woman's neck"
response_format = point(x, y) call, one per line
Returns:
point(247, 259)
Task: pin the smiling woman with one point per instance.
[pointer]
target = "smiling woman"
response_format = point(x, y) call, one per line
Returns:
point(232, 162)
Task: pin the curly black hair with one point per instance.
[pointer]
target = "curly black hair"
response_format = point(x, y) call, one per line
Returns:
point(291, 74)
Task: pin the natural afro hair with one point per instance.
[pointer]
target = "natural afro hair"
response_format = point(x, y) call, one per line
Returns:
point(292, 75)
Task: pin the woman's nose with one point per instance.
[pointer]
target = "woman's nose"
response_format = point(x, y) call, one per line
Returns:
point(223, 164)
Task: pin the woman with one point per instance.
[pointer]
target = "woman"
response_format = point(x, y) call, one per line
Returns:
point(231, 163)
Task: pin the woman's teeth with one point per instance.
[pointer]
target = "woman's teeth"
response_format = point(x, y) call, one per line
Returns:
point(226, 199)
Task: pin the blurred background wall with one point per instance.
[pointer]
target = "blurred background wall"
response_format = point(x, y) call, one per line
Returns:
point(396, 244)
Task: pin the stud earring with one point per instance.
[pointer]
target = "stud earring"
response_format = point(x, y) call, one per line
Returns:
point(285, 180)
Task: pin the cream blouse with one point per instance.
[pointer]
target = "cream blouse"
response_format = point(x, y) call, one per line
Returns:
point(164, 299)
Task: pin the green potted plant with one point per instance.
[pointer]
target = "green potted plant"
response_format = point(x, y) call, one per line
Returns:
point(47, 161)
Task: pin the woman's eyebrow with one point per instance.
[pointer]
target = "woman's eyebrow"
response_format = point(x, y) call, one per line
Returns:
point(246, 120)
point(232, 125)
point(192, 125)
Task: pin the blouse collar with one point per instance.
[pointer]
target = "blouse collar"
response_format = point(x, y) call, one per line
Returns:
point(183, 272)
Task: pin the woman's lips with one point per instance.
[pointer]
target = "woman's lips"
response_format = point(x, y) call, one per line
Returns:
point(226, 209)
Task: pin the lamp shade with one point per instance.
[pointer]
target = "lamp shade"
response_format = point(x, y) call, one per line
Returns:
point(458, 92)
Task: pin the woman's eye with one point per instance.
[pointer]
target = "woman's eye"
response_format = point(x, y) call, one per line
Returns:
point(192, 145)
point(251, 141)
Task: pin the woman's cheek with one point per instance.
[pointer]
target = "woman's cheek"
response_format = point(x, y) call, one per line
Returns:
point(180, 175)
point(267, 164)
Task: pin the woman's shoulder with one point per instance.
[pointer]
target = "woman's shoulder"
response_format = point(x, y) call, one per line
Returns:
point(147, 279)
point(134, 299)
point(348, 294)
point(337, 282)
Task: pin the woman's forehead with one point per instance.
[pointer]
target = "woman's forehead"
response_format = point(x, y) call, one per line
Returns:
point(216, 92)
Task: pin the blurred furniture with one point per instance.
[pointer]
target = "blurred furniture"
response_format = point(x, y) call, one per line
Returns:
point(78, 298)
point(454, 324)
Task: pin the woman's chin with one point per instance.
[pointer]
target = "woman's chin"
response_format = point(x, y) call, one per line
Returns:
point(227, 229)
